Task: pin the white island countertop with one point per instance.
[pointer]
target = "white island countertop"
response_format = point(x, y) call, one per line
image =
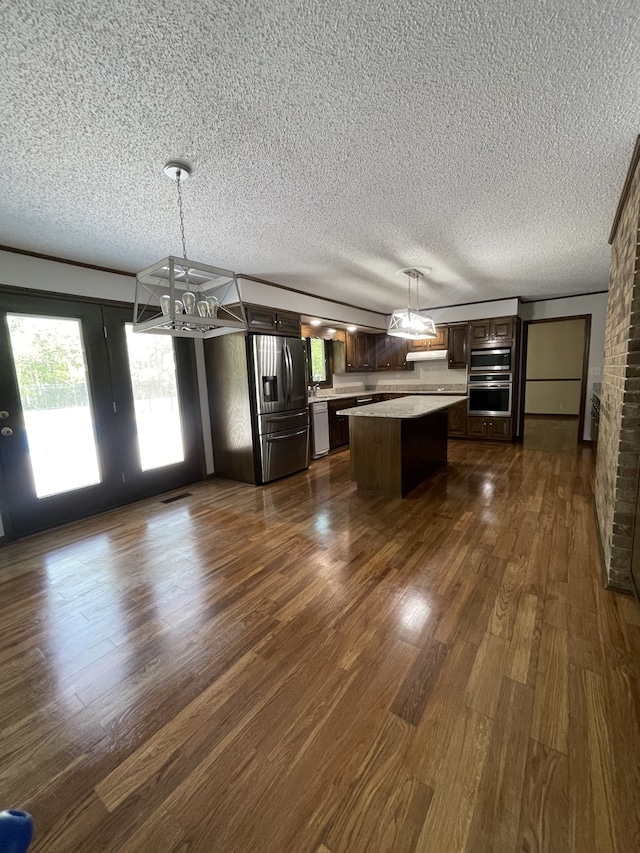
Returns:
point(415, 406)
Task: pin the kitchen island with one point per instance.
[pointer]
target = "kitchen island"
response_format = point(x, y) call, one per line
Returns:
point(396, 444)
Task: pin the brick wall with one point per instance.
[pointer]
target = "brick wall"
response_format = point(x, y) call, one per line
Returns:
point(618, 462)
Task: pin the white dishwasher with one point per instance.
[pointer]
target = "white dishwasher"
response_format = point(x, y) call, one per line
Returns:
point(319, 429)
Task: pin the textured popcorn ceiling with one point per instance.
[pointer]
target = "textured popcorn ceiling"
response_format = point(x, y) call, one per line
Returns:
point(332, 142)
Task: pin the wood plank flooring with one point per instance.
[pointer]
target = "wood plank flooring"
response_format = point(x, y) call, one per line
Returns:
point(302, 667)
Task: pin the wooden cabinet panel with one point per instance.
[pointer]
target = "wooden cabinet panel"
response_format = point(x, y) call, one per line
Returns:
point(503, 329)
point(476, 427)
point(492, 428)
point(288, 324)
point(261, 319)
point(391, 353)
point(494, 330)
point(270, 321)
point(479, 331)
point(361, 353)
point(499, 429)
point(458, 419)
point(439, 342)
point(457, 339)
point(339, 426)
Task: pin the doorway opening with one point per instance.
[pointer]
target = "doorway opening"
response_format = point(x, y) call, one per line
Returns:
point(556, 358)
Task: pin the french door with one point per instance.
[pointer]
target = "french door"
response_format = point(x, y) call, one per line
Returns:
point(91, 415)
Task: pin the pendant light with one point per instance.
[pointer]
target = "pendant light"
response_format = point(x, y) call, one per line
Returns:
point(410, 322)
point(184, 298)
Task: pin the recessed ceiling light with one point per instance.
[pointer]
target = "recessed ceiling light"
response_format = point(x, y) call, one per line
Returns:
point(351, 328)
point(315, 322)
point(331, 331)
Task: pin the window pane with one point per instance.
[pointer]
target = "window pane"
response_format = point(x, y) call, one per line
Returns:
point(52, 380)
point(318, 360)
point(155, 398)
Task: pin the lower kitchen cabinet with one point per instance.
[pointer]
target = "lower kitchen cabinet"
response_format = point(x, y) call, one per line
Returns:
point(496, 429)
point(458, 419)
point(339, 426)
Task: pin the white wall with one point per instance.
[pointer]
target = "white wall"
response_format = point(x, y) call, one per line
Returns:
point(594, 304)
point(476, 311)
point(25, 271)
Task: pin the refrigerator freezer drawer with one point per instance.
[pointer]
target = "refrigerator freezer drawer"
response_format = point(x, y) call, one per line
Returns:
point(283, 421)
point(283, 453)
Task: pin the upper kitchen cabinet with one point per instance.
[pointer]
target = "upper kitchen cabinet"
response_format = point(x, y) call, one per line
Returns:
point(438, 343)
point(269, 320)
point(495, 330)
point(361, 353)
point(458, 352)
point(391, 353)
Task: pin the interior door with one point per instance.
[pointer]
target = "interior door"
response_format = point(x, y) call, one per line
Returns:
point(77, 405)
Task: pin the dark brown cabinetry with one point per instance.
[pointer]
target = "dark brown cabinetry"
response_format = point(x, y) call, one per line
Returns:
point(496, 429)
point(361, 353)
point(437, 343)
point(268, 320)
point(457, 340)
point(339, 426)
point(391, 353)
point(458, 419)
point(494, 330)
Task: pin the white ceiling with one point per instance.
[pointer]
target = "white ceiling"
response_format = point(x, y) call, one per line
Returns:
point(332, 143)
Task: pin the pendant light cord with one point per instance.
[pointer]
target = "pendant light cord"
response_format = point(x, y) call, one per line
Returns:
point(411, 275)
point(184, 242)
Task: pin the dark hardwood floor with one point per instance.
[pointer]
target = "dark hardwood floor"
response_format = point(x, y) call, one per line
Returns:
point(301, 667)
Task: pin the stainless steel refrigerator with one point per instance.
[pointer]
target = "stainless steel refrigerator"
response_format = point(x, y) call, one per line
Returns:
point(257, 387)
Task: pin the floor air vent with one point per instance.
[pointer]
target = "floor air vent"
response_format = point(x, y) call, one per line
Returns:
point(176, 498)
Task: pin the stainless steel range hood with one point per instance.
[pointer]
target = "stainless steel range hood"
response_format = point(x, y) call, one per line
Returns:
point(427, 355)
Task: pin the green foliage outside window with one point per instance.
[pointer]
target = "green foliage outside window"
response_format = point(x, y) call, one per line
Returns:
point(318, 360)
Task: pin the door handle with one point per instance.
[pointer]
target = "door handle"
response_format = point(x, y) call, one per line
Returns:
point(6, 431)
point(285, 417)
point(285, 437)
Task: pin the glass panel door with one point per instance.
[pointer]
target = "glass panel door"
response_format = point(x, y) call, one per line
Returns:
point(51, 370)
point(56, 446)
point(155, 399)
point(91, 416)
point(155, 392)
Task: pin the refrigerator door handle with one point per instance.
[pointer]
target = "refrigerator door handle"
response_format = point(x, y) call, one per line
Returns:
point(288, 371)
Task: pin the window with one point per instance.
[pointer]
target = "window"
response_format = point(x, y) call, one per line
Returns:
point(319, 352)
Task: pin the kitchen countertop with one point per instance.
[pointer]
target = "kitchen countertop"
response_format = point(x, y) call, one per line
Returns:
point(324, 397)
point(415, 406)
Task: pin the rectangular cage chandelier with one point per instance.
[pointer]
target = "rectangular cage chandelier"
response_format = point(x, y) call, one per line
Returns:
point(184, 298)
point(410, 322)
point(187, 299)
